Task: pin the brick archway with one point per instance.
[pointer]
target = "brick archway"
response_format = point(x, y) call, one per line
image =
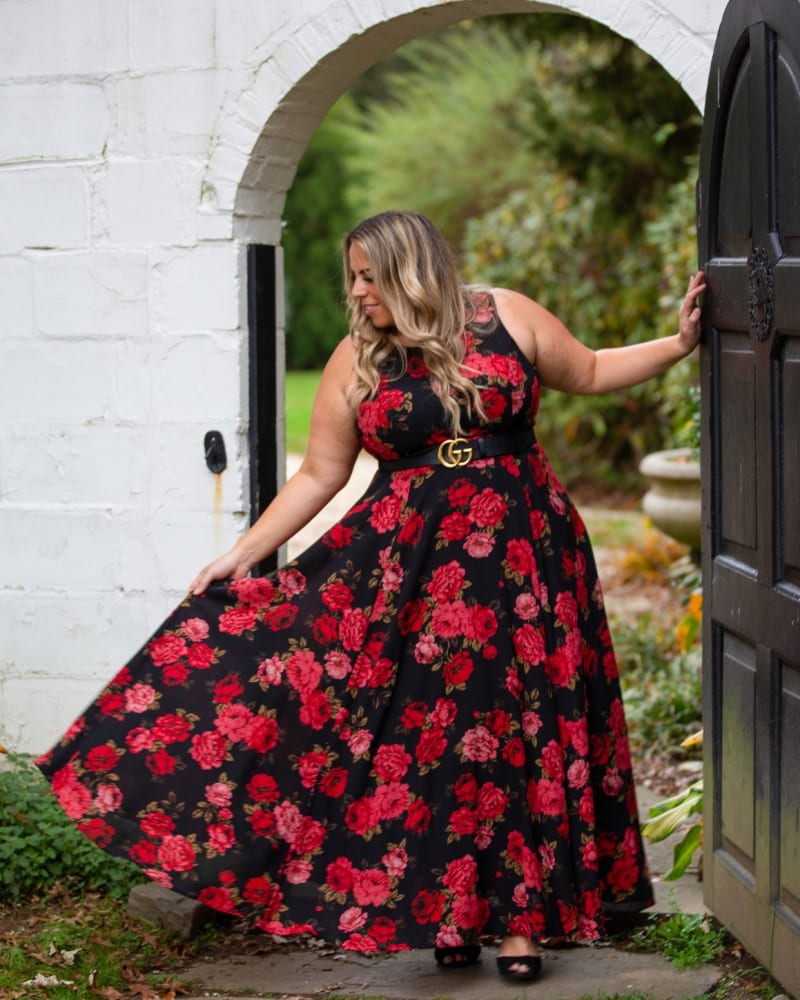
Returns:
point(265, 125)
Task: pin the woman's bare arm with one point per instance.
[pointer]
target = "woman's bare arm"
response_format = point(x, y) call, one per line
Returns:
point(564, 363)
point(328, 463)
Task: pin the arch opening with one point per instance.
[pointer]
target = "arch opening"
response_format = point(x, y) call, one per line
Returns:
point(261, 140)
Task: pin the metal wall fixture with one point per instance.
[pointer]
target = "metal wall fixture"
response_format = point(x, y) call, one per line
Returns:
point(216, 457)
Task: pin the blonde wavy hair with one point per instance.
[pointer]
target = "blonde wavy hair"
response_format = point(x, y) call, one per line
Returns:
point(417, 280)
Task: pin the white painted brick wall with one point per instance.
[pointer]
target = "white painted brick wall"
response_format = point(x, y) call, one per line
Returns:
point(39, 121)
point(180, 110)
point(59, 382)
point(73, 466)
point(195, 378)
point(16, 295)
point(175, 35)
point(197, 289)
point(141, 146)
point(91, 294)
point(45, 206)
point(149, 201)
point(54, 38)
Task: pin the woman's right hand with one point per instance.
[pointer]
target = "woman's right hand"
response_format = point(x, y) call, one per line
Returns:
point(232, 564)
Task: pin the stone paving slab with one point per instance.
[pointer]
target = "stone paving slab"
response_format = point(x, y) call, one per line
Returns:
point(306, 973)
point(567, 973)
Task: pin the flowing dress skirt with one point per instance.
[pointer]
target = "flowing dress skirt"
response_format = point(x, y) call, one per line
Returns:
point(412, 734)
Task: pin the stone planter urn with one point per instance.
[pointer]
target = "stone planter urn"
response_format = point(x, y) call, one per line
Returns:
point(672, 501)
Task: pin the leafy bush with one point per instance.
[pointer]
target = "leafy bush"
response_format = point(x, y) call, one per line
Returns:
point(436, 138)
point(663, 706)
point(688, 940)
point(674, 232)
point(316, 217)
point(41, 847)
point(661, 672)
point(616, 283)
point(665, 819)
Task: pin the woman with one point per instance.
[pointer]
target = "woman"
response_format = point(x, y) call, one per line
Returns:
point(413, 734)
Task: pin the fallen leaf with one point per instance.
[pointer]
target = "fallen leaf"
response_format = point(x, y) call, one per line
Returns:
point(41, 980)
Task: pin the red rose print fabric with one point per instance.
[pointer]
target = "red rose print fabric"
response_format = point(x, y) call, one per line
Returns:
point(411, 735)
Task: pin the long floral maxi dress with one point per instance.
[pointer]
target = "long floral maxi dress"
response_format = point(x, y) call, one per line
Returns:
point(410, 735)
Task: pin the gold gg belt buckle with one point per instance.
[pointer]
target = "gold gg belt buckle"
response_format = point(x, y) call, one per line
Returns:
point(455, 452)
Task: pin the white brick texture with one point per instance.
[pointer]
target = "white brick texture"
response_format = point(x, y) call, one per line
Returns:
point(175, 35)
point(197, 289)
point(45, 206)
point(98, 294)
point(142, 146)
point(16, 296)
point(149, 201)
point(73, 466)
point(38, 121)
point(54, 38)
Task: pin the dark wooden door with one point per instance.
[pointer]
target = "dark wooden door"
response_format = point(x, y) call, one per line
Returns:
point(749, 213)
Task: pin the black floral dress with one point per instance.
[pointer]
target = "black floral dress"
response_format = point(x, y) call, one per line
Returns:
point(410, 735)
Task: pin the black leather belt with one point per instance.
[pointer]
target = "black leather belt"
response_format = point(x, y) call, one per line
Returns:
point(454, 453)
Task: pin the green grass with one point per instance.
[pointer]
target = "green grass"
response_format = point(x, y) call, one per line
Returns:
point(611, 528)
point(63, 945)
point(688, 940)
point(300, 390)
point(615, 996)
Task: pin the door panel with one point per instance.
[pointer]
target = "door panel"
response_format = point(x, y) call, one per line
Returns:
point(788, 127)
point(735, 212)
point(790, 793)
point(789, 558)
point(738, 507)
point(737, 819)
point(749, 241)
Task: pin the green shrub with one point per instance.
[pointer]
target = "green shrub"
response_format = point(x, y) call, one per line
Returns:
point(662, 685)
point(40, 847)
point(316, 217)
point(665, 819)
point(688, 940)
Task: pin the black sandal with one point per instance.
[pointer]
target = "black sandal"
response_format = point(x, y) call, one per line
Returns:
point(457, 957)
point(529, 967)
